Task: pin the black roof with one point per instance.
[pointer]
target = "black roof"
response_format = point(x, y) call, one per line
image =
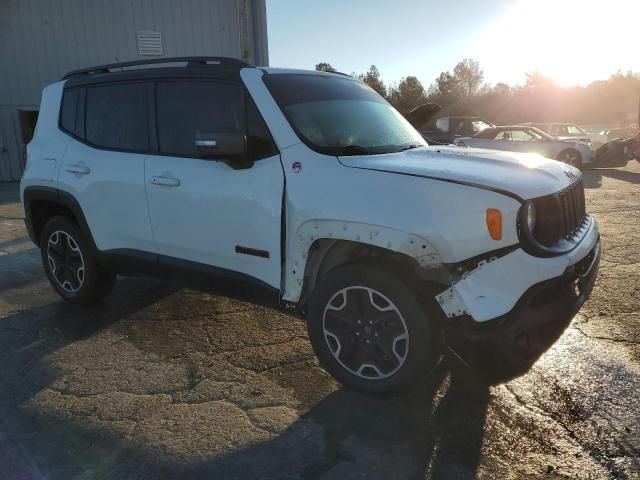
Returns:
point(223, 67)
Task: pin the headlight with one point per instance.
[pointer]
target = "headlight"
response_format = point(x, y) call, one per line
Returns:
point(530, 215)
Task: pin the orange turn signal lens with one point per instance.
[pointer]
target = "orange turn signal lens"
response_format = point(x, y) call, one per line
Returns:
point(494, 223)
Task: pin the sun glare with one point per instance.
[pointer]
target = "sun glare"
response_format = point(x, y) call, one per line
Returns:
point(570, 41)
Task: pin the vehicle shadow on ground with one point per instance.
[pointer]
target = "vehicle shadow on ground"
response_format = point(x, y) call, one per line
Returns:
point(593, 177)
point(435, 431)
point(28, 337)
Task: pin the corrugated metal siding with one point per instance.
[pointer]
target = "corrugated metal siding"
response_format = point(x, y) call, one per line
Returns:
point(40, 40)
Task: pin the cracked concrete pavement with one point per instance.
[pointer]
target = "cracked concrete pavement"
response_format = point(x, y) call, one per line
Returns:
point(160, 382)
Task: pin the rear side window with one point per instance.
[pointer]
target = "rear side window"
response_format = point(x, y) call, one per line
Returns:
point(116, 116)
point(185, 107)
point(69, 110)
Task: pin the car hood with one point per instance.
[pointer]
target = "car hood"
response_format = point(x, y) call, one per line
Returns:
point(524, 175)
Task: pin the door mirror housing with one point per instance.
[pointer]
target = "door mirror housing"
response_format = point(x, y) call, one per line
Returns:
point(229, 146)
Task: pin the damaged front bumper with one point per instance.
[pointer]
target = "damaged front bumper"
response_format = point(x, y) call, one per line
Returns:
point(506, 344)
point(618, 152)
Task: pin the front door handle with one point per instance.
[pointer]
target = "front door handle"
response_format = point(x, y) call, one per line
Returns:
point(77, 168)
point(165, 181)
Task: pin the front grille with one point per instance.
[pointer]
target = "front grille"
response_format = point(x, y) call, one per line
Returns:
point(572, 208)
point(560, 216)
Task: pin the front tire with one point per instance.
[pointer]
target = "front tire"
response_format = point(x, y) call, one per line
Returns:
point(571, 157)
point(70, 267)
point(370, 331)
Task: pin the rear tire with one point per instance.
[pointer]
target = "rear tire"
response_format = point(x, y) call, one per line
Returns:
point(370, 331)
point(571, 157)
point(70, 267)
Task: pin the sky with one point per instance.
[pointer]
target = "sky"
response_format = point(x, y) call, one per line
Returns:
point(571, 41)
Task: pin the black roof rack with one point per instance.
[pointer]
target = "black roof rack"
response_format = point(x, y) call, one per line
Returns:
point(191, 62)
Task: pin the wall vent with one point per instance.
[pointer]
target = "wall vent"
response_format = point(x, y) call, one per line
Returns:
point(149, 43)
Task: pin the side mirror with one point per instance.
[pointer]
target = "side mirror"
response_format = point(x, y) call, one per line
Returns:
point(229, 146)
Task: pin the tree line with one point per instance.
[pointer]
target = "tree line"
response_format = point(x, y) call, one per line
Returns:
point(462, 91)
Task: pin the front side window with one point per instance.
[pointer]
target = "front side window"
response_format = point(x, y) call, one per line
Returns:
point(116, 117)
point(522, 136)
point(575, 130)
point(259, 140)
point(504, 135)
point(341, 116)
point(467, 127)
point(442, 124)
point(540, 135)
point(559, 131)
point(479, 125)
point(186, 107)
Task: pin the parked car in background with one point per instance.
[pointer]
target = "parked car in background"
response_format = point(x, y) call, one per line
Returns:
point(618, 152)
point(530, 139)
point(623, 133)
point(447, 129)
point(571, 131)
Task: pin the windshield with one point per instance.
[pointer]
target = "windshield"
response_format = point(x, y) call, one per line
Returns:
point(341, 116)
point(540, 133)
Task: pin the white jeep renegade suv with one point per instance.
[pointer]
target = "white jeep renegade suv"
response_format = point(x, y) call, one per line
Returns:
point(309, 192)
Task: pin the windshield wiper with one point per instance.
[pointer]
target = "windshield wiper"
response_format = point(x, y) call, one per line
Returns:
point(351, 150)
point(360, 150)
point(409, 147)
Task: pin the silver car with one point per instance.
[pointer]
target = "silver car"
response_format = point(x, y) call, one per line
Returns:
point(571, 131)
point(529, 139)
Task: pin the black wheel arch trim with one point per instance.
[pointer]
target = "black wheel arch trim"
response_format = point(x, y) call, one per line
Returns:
point(54, 195)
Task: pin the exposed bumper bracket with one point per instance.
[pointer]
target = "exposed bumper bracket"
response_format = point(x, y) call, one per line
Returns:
point(509, 345)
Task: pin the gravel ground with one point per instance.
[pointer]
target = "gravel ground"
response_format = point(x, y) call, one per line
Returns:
point(160, 382)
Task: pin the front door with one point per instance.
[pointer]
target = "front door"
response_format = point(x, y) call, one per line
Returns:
point(205, 211)
point(526, 141)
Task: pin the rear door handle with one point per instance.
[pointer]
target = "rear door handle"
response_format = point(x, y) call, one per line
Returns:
point(165, 181)
point(76, 168)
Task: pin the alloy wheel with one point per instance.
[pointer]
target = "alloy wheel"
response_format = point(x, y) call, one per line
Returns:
point(65, 261)
point(365, 332)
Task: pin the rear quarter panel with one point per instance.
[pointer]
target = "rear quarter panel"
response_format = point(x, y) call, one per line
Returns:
point(48, 145)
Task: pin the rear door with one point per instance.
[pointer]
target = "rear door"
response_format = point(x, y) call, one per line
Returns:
point(205, 211)
point(103, 167)
point(501, 140)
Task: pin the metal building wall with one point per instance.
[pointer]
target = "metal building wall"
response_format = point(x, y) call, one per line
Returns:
point(40, 40)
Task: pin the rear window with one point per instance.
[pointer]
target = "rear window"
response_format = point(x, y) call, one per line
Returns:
point(116, 117)
point(69, 110)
